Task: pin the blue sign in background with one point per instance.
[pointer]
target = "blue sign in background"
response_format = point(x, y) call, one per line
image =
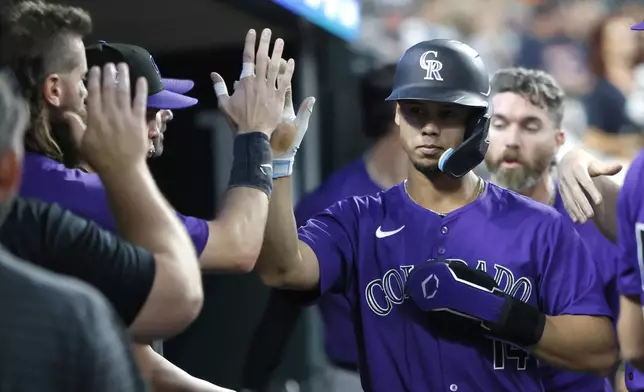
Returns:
point(340, 17)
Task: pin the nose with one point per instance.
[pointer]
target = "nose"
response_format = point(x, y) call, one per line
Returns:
point(511, 136)
point(430, 129)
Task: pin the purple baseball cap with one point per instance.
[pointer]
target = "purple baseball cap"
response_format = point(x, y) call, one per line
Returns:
point(639, 26)
point(179, 86)
point(141, 64)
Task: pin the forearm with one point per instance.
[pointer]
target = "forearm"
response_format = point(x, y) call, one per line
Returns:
point(578, 343)
point(166, 377)
point(237, 233)
point(630, 329)
point(280, 255)
point(144, 218)
point(605, 217)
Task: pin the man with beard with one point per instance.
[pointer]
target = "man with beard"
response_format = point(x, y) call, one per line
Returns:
point(416, 261)
point(525, 135)
point(57, 333)
point(48, 56)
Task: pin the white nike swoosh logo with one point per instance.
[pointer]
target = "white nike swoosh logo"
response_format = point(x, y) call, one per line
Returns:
point(267, 166)
point(383, 234)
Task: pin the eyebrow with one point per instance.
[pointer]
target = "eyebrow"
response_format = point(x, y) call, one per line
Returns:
point(523, 120)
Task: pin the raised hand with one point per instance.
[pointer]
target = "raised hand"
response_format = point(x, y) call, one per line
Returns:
point(578, 192)
point(258, 100)
point(115, 136)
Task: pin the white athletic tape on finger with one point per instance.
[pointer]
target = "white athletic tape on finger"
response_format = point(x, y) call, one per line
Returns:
point(248, 69)
point(220, 89)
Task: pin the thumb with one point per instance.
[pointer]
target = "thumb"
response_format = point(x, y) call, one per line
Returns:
point(76, 124)
point(604, 169)
point(221, 91)
point(305, 111)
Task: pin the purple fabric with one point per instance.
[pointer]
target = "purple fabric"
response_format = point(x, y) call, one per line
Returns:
point(169, 100)
point(83, 194)
point(605, 255)
point(179, 86)
point(529, 249)
point(630, 236)
point(352, 180)
point(639, 26)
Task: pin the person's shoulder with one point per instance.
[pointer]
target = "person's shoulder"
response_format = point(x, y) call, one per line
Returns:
point(41, 171)
point(54, 294)
point(504, 202)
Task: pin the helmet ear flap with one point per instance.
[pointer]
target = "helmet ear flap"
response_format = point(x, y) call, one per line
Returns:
point(466, 156)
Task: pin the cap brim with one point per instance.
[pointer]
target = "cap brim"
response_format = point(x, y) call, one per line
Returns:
point(169, 100)
point(179, 86)
point(639, 26)
point(424, 93)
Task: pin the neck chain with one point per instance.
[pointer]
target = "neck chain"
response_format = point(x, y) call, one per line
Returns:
point(480, 187)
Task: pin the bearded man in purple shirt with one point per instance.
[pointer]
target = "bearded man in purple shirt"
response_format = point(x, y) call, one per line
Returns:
point(525, 135)
point(454, 284)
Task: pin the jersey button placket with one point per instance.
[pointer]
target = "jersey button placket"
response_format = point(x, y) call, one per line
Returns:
point(440, 249)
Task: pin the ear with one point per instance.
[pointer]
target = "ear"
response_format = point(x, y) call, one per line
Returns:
point(397, 118)
point(10, 175)
point(51, 90)
point(560, 137)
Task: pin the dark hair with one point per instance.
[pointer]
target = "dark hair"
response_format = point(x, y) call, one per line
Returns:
point(537, 86)
point(596, 43)
point(37, 36)
point(378, 114)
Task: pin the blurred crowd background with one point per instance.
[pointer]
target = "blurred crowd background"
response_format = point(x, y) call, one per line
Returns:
point(586, 45)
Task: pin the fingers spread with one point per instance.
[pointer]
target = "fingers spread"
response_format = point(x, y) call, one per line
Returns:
point(94, 99)
point(249, 47)
point(284, 82)
point(109, 85)
point(261, 59)
point(274, 65)
point(123, 87)
point(140, 103)
point(219, 85)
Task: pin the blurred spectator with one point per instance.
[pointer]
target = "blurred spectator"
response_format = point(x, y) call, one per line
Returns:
point(614, 53)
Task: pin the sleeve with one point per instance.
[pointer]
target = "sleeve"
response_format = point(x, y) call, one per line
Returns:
point(84, 195)
point(629, 236)
point(106, 353)
point(62, 242)
point(333, 235)
point(569, 282)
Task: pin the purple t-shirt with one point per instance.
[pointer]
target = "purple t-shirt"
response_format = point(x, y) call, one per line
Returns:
point(83, 194)
point(605, 255)
point(630, 237)
point(351, 180)
point(530, 250)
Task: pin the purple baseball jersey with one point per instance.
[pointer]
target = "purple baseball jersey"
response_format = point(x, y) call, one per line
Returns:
point(630, 237)
point(605, 255)
point(83, 193)
point(351, 180)
point(366, 247)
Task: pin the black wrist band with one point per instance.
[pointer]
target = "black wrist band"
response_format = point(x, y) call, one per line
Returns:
point(252, 162)
point(520, 323)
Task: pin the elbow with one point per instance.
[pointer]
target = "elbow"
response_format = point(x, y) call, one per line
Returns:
point(634, 356)
point(245, 259)
point(602, 364)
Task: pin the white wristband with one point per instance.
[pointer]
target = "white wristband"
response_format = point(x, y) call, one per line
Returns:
point(283, 167)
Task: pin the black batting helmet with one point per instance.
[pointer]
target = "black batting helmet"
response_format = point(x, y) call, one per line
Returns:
point(449, 71)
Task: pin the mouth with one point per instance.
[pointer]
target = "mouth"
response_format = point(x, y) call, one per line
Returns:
point(430, 149)
point(510, 163)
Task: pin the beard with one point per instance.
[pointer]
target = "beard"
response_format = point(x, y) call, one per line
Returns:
point(429, 170)
point(63, 135)
point(520, 178)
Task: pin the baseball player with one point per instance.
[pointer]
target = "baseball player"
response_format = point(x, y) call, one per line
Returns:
point(525, 134)
point(454, 284)
point(589, 192)
point(382, 166)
